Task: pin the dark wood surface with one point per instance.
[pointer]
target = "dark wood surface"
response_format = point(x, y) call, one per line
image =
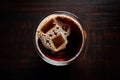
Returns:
point(100, 59)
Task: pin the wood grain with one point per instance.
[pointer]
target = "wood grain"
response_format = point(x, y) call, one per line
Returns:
point(99, 59)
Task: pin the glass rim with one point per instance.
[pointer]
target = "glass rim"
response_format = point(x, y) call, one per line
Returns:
point(57, 62)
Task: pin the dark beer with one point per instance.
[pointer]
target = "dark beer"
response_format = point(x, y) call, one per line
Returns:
point(69, 38)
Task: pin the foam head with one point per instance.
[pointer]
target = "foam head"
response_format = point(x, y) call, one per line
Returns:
point(53, 33)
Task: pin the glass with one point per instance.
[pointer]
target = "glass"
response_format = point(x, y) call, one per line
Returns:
point(60, 38)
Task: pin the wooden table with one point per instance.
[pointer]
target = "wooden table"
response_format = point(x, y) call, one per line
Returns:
point(99, 59)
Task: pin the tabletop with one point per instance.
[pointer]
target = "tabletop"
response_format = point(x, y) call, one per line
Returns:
point(99, 59)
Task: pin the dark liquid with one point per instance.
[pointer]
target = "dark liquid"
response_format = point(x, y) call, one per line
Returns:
point(73, 46)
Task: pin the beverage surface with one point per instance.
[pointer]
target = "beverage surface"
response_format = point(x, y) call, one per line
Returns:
point(59, 36)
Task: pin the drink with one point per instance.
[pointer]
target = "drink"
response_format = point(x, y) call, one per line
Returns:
point(59, 38)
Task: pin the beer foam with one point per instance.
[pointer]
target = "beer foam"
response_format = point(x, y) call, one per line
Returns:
point(53, 34)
